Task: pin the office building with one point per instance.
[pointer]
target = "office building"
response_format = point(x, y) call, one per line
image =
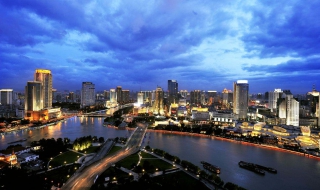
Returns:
point(6, 96)
point(184, 93)
point(227, 98)
point(288, 109)
point(140, 98)
point(273, 97)
point(119, 93)
point(45, 77)
point(240, 99)
point(87, 94)
point(157, 106)
point(172, 91)
point(125, 96)
point(195, 97)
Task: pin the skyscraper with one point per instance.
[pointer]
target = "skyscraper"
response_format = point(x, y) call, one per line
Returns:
point(87, 94)
point(33, 96)
point(195, 97)
point(44, 76)
point(140, 98)
point(113, 96)
point(288, 109)
point(6, 96)
point(158, 102)
point(172, 91)
point(240, 98)
point(119, 93)
point(125, 95)
point(273, 98)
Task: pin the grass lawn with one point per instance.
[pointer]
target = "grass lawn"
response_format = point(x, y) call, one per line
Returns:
point(114, 149)
point(146, 155)
point(179, 180)
point(64, 158)
point(91, 149)
point(128, 161)
point(157, 163)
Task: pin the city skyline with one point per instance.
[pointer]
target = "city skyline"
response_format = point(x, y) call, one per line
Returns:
point(140, 45)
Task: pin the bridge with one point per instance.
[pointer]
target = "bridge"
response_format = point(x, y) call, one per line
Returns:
point(85, 178)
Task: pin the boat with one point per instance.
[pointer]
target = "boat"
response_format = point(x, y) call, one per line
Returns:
point(251, 167)
point(211, 167)
point(268, 169)
point(17, 141)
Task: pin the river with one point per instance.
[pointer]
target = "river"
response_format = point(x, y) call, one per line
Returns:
point(294, 171)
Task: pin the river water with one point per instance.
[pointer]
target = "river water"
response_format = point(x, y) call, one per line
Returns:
point(294, 171)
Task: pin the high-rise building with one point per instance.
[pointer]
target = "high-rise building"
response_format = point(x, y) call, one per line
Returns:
point(87, 94)
point(6, 96)
point(313, 98)
point(125, 95)
point(195, 97)
point(172, 91)
point(113, 96)
point(184, 93)
point(273, 97)
point(140, 98)
point(45, 77)
point(288, 109)
point(158, 102)
point(71, 97)
point(240, 98)
point(227, 98)
point(147, 96)
point(119, 93)
point(33, 96)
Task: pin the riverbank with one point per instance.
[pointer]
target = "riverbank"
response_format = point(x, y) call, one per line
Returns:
point(265, 146)
point(32, 126)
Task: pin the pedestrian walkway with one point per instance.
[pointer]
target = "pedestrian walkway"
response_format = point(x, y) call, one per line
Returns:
point(135, 175)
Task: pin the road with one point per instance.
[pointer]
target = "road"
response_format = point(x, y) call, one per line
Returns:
point(85, 178)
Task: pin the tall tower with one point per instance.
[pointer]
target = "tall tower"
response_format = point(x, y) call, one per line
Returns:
point(289, 109)
point(33, 96)
point(87, 94)
point(158, 102)
point(273, 98)
point(44, 76)
point(113, 96)
point(6, 96)
point(119, 93)
point(240, 98)
point(172, 91)
point(140, 98)
point(195, 97)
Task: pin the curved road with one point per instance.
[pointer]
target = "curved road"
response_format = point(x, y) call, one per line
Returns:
point(86, 178)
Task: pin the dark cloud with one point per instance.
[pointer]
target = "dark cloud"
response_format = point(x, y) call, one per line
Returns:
point(311, 65)
point(283, 29)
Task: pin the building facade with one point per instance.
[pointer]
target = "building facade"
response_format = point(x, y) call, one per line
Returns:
point(273, 98)
point(172, 91)
point(6, 96)
point(195, 97)
point(240, 99)
point(288, 109)
point(45, 77)
point(157, 106)
point(87, 94)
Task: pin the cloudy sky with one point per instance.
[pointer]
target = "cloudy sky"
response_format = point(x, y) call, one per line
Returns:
point(136, 44)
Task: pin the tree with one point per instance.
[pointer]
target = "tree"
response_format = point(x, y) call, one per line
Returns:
point(101, 140)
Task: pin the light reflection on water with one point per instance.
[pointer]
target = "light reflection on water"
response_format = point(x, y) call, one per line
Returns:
point(294, 172)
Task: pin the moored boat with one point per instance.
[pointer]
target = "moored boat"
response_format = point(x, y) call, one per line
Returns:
point(211, 167)
point(251, 167)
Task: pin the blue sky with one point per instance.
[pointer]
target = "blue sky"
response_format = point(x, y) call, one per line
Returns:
point(137, 44)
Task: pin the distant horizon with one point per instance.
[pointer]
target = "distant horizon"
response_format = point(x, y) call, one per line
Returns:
point(140, 44)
